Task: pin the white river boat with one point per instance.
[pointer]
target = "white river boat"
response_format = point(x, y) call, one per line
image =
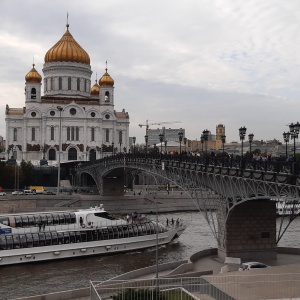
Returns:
point(32, 237)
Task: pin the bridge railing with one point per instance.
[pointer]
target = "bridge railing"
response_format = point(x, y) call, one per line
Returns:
point(275, 165)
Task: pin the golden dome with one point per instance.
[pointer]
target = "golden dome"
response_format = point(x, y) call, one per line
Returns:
point(106, 80)
point(33, 76)
point(67, 49)
point(95, 89)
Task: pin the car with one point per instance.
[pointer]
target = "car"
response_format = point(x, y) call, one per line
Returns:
point(2, 194)
point(252, 265)
point(48, 193)
point(17, 193)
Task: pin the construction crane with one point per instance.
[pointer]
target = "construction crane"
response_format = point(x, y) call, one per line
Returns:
point(156, 123)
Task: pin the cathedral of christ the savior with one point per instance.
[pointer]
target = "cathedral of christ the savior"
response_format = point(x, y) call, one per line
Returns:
point(72, 121)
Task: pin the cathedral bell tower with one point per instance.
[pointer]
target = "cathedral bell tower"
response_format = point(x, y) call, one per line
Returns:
point(33, 86)
point(106, 93)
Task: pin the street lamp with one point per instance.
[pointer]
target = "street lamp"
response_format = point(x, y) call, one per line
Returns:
point(242, 132)
point(205, 139)
point(250, 138)
point(134, 139)
point(286, 137)
point(180, 136)
point(120, 146)
point(294, 130)
point(161, 139)
point(166, 142)
point(113, 148)
point(202, 142)
point(184, 141)
point(60, 109)
point(146, 141)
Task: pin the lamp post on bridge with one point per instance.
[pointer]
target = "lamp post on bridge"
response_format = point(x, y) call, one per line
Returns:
point(242, 132)
point(113, 149)
point(250, 139)
point(180, 136)
point(223, 139)
point(202, 141)
point(161, 139)
point(294, 131)
point(286, 138)
point(205, 139)
point(185, 141)
point(134, 139)
point(166, 142)
point(146, 141)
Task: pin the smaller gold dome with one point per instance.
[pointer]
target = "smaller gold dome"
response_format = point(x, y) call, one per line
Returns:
point(33, 76)
point(106, 80)
point(95, 89)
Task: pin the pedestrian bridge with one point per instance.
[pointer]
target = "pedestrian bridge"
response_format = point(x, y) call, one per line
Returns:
point(237, 197)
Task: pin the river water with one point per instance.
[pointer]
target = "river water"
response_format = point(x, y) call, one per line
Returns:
point(47, 277)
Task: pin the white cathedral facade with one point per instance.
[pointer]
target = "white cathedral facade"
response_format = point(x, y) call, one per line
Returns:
point(72, 121)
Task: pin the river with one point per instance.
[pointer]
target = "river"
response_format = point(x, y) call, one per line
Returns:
point(47, 277)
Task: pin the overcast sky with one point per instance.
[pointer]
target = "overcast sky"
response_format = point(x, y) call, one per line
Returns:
point(200, 62)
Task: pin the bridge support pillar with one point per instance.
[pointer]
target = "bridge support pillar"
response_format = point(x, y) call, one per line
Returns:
point(250, 232)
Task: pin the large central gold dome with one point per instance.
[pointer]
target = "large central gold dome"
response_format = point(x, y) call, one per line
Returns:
point(67, 49)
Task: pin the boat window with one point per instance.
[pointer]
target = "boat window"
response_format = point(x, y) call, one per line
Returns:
point(78, 236)
point(35, 238)
point(37, 219)
point(44, 219)
point(29, 240)
point(73, 217)
point(95, 235)
point(135, 230)
point(18, 221)
point(30, 221)
point(23, 243)
point(4, 221)
point(72, 237)
point(104, 215)
point(110, 233)
point(16, 240)
point(12, 221)
point(66, 237)
point(49, 219)
point(55, 219)
point(100, 235)
point(2, 243)
point(42, 241)
point(48, 241)
point(140, 229)
point(125, 231)
point(152, 229)
point(148, 229)
point(61, 217)
point(121, 234)
point(60, 238)
point(24, 220)
point(67, 218)
point(9, 242)
point(89, 235)
point(130, 230)
point(116, 232)
point(83, 236)
point(54, 238)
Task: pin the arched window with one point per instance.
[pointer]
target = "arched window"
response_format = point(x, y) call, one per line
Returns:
point(60, 83)
point(72, 154)
point(52, 84)
point(15, 134)
point(107, 135)
point(92, 155)
point(78, 84)
point(33, 93)
point(52, 154)
point(52, 133)
point(92, 134)
point(68, 134)
point(106, 97)
point(69, 84)
point(33, 134)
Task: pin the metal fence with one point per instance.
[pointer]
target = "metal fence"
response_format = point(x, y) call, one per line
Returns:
point(229, 287)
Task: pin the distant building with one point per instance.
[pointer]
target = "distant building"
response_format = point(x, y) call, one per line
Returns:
point(169, 135)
